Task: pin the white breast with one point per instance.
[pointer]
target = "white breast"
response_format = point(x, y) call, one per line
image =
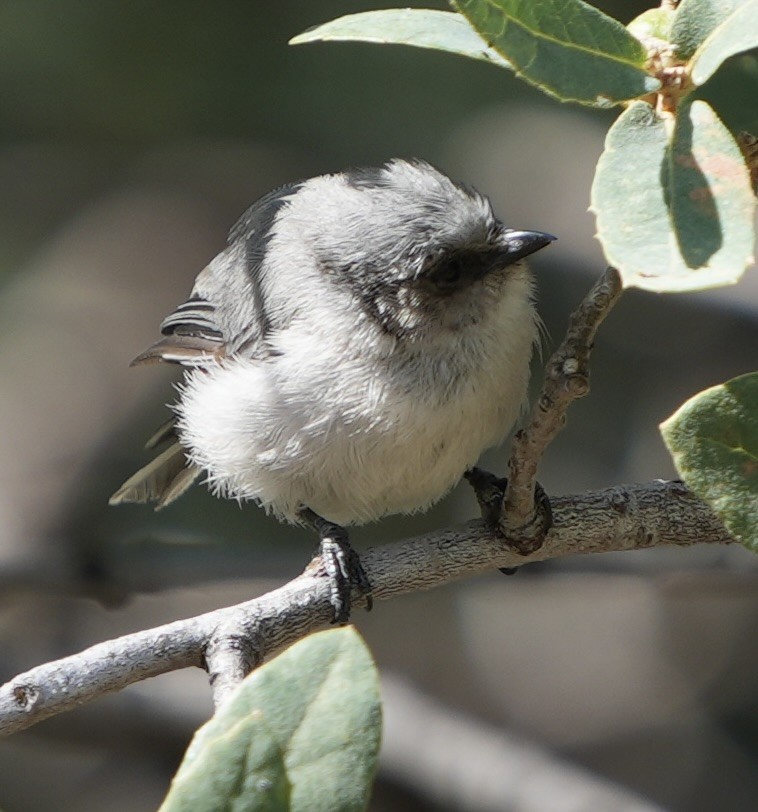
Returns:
point(348, 427)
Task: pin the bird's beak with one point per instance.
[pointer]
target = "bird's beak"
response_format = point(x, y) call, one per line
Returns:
point(519, 244)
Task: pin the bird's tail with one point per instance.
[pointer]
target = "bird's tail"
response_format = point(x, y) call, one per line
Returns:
point(162, 480)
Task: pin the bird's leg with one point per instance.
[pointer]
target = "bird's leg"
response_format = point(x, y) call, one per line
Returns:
point(489, 491)
point(340, 561)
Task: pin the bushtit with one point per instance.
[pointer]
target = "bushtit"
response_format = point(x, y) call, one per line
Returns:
point(362, 338)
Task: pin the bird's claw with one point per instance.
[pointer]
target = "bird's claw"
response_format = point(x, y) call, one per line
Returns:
point(341, 564)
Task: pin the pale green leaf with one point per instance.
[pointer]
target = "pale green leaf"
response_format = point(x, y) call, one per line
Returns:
point(241, 767)
point(655, 23)
point(300, 734)
point(422, 28)
point(738, 33)
point(567, 48)
point(732, 92)
point(674, 212)
point(713, 439)
point(695, 20)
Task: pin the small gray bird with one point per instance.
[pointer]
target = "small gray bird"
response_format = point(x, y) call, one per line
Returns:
point(362, 338)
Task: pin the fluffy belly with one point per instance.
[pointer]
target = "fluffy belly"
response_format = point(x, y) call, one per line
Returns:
point(350, 462)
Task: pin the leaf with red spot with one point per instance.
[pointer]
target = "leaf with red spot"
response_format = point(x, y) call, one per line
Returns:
point(673, 200)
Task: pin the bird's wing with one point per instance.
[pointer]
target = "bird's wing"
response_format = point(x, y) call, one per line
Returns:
point(224, 315)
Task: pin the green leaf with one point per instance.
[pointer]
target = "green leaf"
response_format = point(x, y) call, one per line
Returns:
point(299, 734)
point(422, 28)
point(655, 23)
point(732, 92)
point(713, 439)
point(567, 48)
point(695, 20)
point(738, 33)
point(674, 213)
point(241, 767)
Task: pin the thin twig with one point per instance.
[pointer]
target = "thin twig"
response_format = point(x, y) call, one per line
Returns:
point(620, 518)
point(567, 376)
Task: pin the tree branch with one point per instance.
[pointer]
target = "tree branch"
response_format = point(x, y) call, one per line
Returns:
point(620, 518)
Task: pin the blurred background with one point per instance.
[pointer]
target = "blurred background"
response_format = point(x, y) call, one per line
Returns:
point(132, 135)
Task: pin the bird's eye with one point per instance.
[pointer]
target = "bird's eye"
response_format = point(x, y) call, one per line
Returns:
point(449, 275)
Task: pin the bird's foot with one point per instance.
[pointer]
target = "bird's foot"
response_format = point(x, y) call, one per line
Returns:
point(341, 564)
point(490, 492)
